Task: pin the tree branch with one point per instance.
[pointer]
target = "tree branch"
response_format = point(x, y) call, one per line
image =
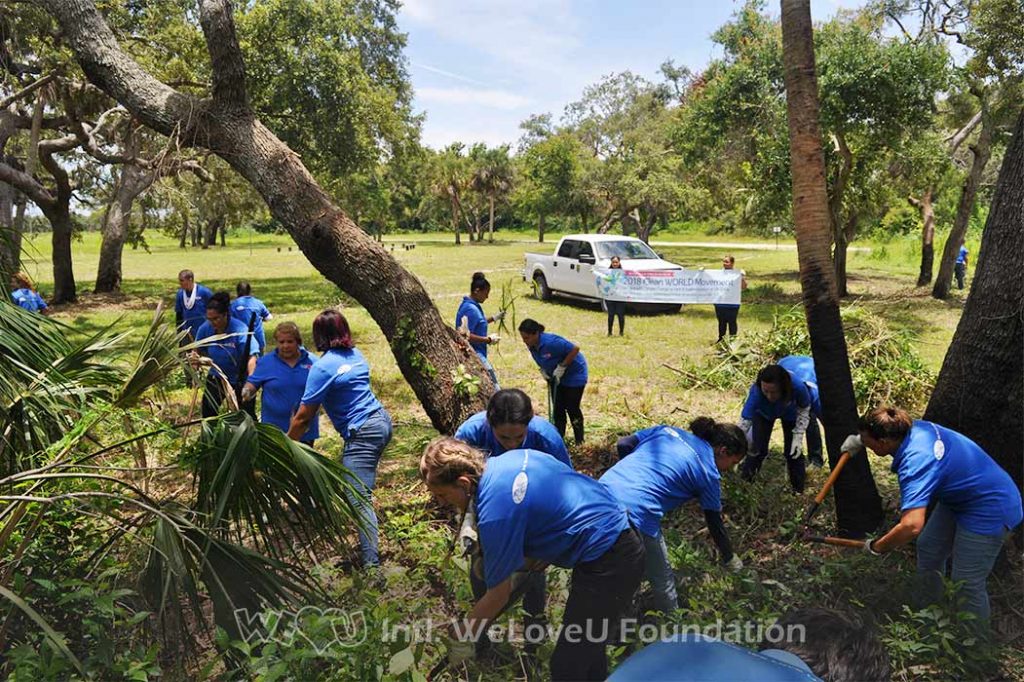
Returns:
point(216, 18)
point(47, 148)
point(27, 185)
point(27, 90)
point(957, 138)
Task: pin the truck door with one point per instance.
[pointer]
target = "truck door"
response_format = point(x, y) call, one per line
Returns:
point(561, 275)
point(582, 279)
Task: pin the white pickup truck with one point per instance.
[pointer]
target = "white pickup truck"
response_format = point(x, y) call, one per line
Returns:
point(569, 271)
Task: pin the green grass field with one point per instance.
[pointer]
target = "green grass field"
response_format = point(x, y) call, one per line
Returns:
point(629, 388)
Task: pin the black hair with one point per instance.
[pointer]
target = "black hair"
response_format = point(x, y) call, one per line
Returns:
point(838, 646)
point(243, 289)
point(718, 434)
point(221, 302)
point(479, 282)
point(886, 423)
point(777, 374)
point(509, 406)
point(531, 326)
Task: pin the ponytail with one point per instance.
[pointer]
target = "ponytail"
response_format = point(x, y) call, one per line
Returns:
point(717, 434)
point(445, 459)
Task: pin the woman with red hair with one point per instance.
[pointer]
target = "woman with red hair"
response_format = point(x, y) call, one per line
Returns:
point(340, 381)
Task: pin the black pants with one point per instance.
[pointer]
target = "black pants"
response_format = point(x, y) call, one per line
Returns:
point(726, 320)
point(796, 466)
point(600, 595)
point(567, 402)
point(959, 269)
point(534, 600)
point(616, 308)
point(814, 449)
point(213, 396)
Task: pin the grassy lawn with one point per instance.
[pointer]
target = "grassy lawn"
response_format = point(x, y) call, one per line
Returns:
point(629, 389)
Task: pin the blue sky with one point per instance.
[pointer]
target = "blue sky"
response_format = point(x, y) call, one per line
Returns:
point(479, 67)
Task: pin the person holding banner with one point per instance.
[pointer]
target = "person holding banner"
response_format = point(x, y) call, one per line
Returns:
point(728, 312)
point(616, 308)
point(563, 366)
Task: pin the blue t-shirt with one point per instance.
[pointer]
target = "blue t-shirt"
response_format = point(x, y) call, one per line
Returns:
point(934, 462)
point(340, 381)
point(242, 309)
point(668, 468)
point(529, 504)
point(696, 657)
point(477, 322)
point(540, 435)
point(801, 369)
point(29, 300)
point(283, 387)
point(550, 352)
point(961, 256)
point(228, 352)
point(194, 318)
point(757, 404)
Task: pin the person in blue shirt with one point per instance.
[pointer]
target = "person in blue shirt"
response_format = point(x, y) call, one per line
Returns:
point(727, 313)
point(561, 363)
point(510, 424)
point(282, 376)
point(228, 355)
point(24, 294)
point(960, 267)
point(976, 502)
point(532, 508)
point(470, 317)
point(665, 468)
point(340, 381)
point(775, 396)
point(801, 369)
point(803, 645)
point(245, 306)
point(190, 304)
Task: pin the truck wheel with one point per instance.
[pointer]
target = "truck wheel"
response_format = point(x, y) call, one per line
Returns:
point(540, 287)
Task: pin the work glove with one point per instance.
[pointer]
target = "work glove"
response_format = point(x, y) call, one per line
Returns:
point(796, 449)
point(493, 339)
point(499, 316)
point(559, 372)
point(854, 445)
point(547, 377)
point(464, 327)
point(735, 564)
point(747, 427)
point(867, 546)
point(460, 651)
point(468, 537)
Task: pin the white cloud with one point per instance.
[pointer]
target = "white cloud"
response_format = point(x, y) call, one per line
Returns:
point(493, 99)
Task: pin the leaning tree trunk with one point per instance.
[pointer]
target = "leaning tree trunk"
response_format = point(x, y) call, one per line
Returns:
point(982, 150)
point(427, 351)
point(858, 506)
point(980, 389)
point(924, 205)
point(133, 182)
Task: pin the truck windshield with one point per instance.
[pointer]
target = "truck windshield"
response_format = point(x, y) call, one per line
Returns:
point(627, 248)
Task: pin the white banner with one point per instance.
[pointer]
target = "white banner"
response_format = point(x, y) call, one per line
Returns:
point(668, 286)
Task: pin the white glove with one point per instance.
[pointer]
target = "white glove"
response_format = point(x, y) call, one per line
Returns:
point(460, 651)
point(493, 339)
point(735, 564)
point(547, 377)
point(867, 546)
point(559, 372)
point(854, 445)
point(499, 316)
point(747, 427)
point(796, 450)
point(464, 326)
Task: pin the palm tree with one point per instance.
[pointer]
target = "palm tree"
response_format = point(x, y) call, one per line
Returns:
point(493, 178)
point(450, 179)
point(858, 506)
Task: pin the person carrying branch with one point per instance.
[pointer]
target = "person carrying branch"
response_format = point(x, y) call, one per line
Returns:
point(776, 396)
point(532, 508)
point(977, 504)
point(561, 364)
point(664, 467)
point(470, 316)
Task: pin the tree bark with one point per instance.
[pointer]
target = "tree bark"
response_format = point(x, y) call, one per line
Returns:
point(490, 221)
point(427, 350)
point(10, 239)
point(982, 150)
point(980, 389)
point(133, 182)
point(858, 505)
point(540, 228)
point(924, 205)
